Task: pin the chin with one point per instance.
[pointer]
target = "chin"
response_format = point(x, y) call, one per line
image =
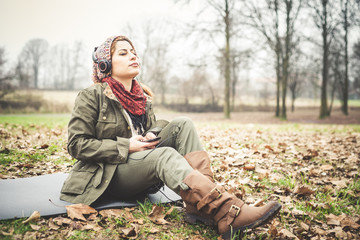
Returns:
point(135, 74)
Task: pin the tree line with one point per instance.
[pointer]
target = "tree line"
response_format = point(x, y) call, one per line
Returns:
point(279, 23)
point(303, 45)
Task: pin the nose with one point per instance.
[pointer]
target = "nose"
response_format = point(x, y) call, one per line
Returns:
point(132, 56)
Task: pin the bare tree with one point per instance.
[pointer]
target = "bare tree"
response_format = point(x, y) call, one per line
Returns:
point(336, 72)
point(349, 17)
point(325, 18)
point(64, 65)
point(154, 51)
point(260, 17)
point(222, 27)
point(238, 58)
point(5, 75)
point(160, 69)
point(356, 69)
point(34, 51)
point(23, 73)
point(296, 81)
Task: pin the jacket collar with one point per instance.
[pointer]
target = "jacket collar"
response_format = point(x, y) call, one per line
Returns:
point(108, 92)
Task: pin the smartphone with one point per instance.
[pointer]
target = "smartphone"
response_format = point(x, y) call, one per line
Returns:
point(153, 140)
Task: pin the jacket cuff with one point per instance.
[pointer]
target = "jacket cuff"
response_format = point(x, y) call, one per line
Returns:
point(122, 145)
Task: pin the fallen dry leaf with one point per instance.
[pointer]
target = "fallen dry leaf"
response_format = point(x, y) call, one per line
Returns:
point(11, 232)
point(154, 230)
point(53, 226)
point(288, 234)
point(326, 167)
point(249, 167)
point(259, 203)
point(35, 227)
point(131, 232)
point(332, 219)
point(33, 217)
point(76, 211)
point(320, 231)
point(305, 226)
point(169, 211)
point(303, 190)
point(157, 216)
point(61, 220)
point(348, 222)
point(340, 183)
point(92, 226)
point(76, 225)
point(111, 213)
point(339, 233)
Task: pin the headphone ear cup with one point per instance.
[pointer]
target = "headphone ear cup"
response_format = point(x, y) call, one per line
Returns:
point(104, 66)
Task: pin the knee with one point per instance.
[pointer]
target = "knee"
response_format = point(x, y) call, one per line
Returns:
point(183, 121)
point(167, 152)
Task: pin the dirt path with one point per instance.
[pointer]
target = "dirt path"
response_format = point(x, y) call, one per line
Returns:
point(310, 116)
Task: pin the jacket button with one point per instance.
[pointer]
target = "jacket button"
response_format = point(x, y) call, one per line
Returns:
point(128, 127)
point(104, 118)
point(106, 181)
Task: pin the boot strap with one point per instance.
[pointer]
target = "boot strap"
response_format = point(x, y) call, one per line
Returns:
point(232, 213)
point(211, 196)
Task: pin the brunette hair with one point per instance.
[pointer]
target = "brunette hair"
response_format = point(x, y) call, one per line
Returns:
point(118, 39)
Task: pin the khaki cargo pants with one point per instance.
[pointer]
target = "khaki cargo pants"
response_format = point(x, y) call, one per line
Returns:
point(164, 163)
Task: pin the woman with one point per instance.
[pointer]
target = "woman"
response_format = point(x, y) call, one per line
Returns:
point(108, 133)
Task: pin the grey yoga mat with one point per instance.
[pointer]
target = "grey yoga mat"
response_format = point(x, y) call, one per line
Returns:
point(22, 196)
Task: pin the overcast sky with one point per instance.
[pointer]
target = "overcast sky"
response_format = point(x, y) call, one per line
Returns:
point(91, 21)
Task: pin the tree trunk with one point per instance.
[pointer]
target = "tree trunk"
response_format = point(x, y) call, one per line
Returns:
point(36, 76)
point(324, 111)
point(227, 62)
point(278, 54)
point(346, 84)
point(285, 73)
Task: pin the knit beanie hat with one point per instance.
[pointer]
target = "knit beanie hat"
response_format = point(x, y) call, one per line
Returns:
point(102, 53)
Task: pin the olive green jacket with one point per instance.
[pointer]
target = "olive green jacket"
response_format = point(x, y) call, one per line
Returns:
point(98, 137)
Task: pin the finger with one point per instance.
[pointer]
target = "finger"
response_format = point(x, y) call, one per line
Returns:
point(151, 144)
point(139, 138)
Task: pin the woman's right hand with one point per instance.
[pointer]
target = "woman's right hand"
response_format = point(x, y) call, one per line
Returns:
point(137, 144)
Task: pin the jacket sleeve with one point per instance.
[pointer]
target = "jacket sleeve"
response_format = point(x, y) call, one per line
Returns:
point(82, 142)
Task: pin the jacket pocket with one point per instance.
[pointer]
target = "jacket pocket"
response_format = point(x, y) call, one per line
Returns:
point(79, 178)
point(106, 123)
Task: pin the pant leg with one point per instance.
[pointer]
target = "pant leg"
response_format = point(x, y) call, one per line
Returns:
point(181, 135)
point(147, 168)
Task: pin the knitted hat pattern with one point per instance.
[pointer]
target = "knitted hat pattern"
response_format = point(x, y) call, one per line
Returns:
point(102, 52)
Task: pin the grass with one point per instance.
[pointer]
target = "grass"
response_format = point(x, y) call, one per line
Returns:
point(32, 131)
point(32, 120)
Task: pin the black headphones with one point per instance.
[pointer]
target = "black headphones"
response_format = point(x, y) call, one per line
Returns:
point(104, 65)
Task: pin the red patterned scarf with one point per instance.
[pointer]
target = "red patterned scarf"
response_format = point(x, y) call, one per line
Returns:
point(133, 102)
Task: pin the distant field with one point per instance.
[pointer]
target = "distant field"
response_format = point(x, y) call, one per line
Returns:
point(67, 97)
point(63, 101)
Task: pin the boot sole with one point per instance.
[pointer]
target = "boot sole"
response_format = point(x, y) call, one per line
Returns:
point(265, 219)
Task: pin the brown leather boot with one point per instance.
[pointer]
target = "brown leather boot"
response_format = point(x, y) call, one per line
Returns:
point(200, 161)
point(230, 213)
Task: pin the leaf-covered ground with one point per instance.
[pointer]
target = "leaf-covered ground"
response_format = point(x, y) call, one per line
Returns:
point(313, 170)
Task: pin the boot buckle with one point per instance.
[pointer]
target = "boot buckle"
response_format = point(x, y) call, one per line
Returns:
point(217, 190)
point(235, 207)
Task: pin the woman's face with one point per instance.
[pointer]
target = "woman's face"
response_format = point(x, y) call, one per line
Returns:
point(124, 61)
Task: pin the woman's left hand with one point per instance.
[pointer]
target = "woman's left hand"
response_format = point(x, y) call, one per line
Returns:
point(149, 136)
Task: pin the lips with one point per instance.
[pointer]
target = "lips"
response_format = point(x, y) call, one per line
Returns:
point(134, 65)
